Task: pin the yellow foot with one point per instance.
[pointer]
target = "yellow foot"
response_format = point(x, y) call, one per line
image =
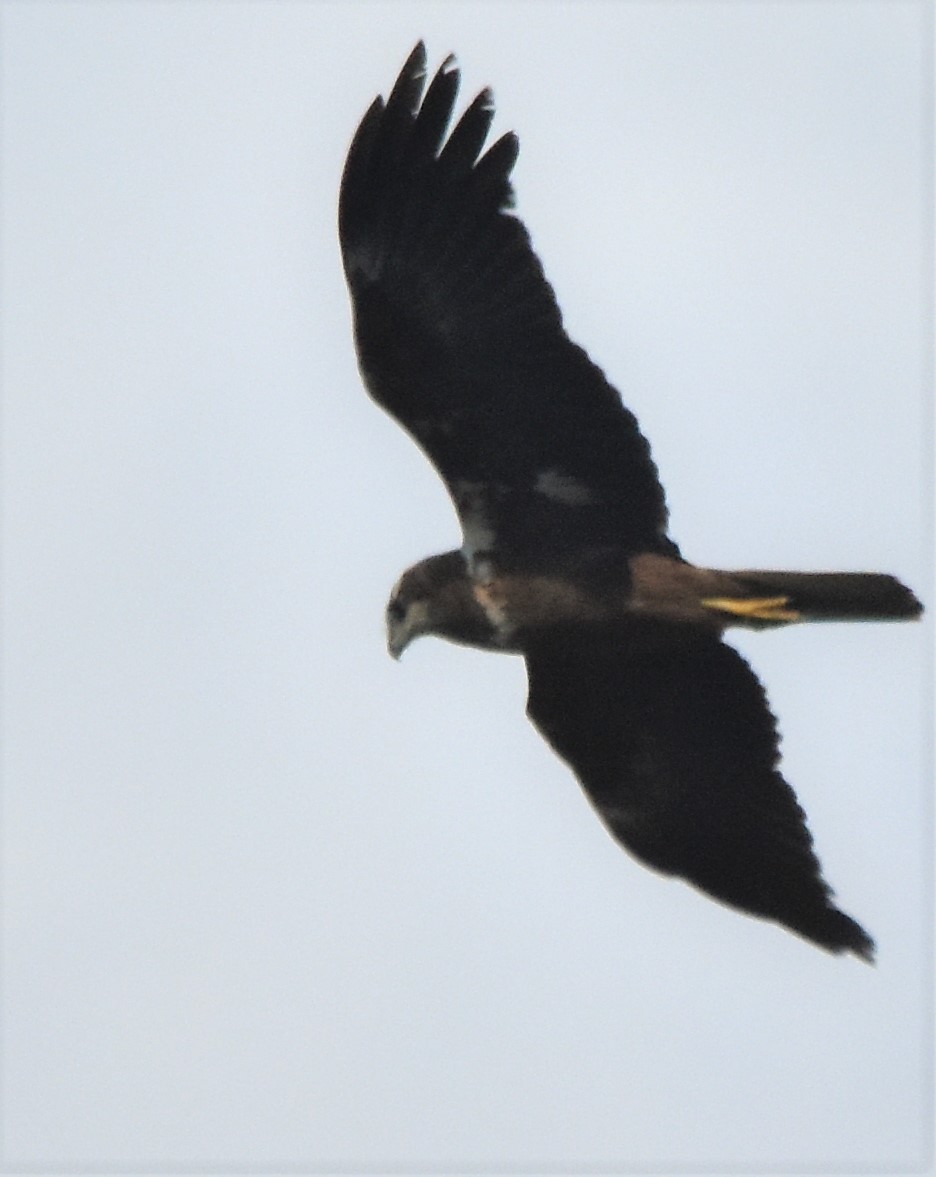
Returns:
point(753, 608)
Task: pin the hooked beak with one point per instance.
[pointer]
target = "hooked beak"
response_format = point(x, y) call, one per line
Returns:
point(397, 641)
point(402, 627)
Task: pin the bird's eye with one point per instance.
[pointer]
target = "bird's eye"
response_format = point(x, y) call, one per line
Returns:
point(396, 610)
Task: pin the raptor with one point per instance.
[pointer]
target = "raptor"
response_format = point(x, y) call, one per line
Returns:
point(566, 559)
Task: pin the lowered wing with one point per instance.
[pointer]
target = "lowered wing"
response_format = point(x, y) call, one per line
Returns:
point(460, 339)
point(675, 745)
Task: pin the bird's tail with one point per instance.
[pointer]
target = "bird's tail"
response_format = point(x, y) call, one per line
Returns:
point(778, 597)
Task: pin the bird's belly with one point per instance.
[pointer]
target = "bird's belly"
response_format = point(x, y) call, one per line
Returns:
point(514, 605)
point(656, 588)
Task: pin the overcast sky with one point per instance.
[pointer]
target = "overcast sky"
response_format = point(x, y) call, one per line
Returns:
point(274, 902)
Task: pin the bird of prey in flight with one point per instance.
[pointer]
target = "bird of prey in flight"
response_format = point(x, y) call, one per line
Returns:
point(565, 557)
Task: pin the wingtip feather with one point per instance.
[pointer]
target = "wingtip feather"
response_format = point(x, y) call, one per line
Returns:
point(847, 935)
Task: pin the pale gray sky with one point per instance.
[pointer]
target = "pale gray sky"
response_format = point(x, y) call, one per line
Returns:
point(273, 901)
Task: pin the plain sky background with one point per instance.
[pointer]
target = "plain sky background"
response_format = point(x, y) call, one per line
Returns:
point(273, 902)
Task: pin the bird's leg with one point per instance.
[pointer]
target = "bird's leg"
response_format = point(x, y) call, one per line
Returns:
point(753, 608)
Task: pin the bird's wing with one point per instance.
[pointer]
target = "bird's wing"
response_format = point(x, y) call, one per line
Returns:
point(460, 339)
point(675, 745)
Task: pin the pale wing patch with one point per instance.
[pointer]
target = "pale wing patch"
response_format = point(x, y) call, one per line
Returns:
point(563, 488)
point(476, 526)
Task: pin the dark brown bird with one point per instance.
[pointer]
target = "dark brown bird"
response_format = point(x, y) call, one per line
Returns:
point(566, 558)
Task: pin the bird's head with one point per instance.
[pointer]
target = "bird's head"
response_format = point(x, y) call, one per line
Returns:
point(434, 596)
point(419, 600)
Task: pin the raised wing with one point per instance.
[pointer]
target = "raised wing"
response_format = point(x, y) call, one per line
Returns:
point(460, 339)
point(675, 745)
